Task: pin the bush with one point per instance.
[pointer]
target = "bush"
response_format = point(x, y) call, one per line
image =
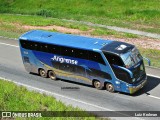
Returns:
point(44, 12)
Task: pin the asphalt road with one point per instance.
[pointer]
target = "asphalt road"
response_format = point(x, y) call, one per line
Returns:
point(86, 97)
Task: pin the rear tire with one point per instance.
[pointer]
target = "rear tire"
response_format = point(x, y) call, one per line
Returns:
point(52, 75)
point(97, 84)
point(43, 73)
point(110, 87)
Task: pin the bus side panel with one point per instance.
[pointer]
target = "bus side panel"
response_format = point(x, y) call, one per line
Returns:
point(85, 71)
point(63, 70)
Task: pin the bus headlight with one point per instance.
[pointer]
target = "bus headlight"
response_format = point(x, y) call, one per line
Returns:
point(133, 79)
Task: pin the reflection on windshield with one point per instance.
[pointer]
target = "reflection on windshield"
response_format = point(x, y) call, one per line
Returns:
point(131, 57)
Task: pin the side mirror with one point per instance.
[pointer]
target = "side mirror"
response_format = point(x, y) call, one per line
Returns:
point(148, 60)
point(125, 69)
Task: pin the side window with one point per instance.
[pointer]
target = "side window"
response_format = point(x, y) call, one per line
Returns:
point(33, 45)
point(44, 47)
point(54, 49)
point(82, 54)
point(23, 43)
point(72, 68)
point(113, 59)
point(80, 70)
point(66, 51)
point(95, 56)
point(36, 46)
point(64, 67)
point(26, 44)
point(56, 64)
point(30, 45)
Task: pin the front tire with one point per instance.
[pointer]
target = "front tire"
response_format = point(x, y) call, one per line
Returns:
point(110, 87)
point(52, 75)
point(43, 73)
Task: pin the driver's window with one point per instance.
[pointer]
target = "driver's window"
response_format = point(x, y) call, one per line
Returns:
point(113, 59)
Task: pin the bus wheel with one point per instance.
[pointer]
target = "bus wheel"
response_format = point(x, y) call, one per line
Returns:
point(42, 73)
point(97, 84)
point(109, 87)
point(52, 75)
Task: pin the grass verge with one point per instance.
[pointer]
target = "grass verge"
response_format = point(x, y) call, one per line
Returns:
point(135, 14)
point(14, 23)
point(18, 98)
point(153, 55)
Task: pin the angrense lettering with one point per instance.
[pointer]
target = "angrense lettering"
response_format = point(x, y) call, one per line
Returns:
point(62, 60)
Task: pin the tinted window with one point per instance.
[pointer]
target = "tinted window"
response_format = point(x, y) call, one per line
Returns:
point(54, 49)
point(80, 70)
point(23, 43)
point(98, 73)
point(113, 59)
point(122, 75)
point(82, 54)
point(95, 56)
point(64, 67)
point(72, 68)
point(56, 64)
point(66, 51)
point(31, 45)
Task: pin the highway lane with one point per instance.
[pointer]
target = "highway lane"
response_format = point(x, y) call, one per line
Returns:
point(86, 97)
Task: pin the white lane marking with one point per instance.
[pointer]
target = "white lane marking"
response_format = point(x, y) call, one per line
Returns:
point(52, 93)
point(9, 44)
point(8, 38)
point(153, 76)
point(154, 96)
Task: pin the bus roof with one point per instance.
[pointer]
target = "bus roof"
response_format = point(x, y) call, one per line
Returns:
point(72, 40)
point(65, 39)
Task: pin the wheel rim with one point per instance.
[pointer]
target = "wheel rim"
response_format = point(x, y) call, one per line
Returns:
point(110, 88)
point(97, 84)
point(52, 75)
point(43, 73)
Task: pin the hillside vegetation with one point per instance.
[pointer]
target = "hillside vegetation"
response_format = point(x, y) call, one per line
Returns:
point(136, 14)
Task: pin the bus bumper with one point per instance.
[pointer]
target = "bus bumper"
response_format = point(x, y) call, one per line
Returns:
point(133, 89)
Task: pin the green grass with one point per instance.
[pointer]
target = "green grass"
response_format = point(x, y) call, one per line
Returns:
point(106, 32)
point(135, 14)
point(18, 98)
point(9, 34)
point(9, 23)
point(153, 55)
point(40, 21)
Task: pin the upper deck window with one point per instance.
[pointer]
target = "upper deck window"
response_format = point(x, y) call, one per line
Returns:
point(61, 50)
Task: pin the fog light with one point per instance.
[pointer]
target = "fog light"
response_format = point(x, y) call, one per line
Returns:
point(141, 67)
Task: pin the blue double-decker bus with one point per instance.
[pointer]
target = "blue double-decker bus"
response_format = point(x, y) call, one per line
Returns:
point(113, 65)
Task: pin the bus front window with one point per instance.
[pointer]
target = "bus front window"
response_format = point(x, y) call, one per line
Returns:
point(131, 58)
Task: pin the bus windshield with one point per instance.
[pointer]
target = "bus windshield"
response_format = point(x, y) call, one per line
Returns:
point(131, 58)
